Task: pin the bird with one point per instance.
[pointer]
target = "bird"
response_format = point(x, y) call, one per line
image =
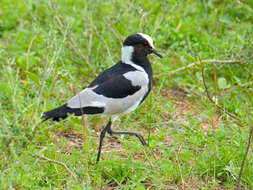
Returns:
point(118, 90)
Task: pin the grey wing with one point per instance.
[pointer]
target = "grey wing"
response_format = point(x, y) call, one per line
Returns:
point(87, 98)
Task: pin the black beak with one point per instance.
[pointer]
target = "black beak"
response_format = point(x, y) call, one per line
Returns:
point(155, 52)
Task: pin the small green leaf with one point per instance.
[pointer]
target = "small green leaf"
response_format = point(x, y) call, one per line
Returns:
point(35, 78)
point(198, 75)
point(21, 61)
point(222, 83)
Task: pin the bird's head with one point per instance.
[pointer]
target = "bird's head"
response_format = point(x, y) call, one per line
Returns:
point(138, 45)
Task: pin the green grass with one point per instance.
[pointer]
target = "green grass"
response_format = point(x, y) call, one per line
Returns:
point(192, 144)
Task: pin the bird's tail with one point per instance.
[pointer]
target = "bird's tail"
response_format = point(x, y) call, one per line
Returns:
point(63, 111)
point(57, 113)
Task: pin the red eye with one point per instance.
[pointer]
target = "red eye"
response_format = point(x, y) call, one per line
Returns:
point(145, 44)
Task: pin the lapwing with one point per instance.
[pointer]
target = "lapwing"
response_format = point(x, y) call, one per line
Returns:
point(118, 90)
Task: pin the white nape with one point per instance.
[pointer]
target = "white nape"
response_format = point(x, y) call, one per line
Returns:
point(126, 57)
point(127, 52)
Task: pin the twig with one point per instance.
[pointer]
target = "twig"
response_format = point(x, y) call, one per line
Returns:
point(58, 173)
point(43, 85)
point(179, 25)
point(85, 142)
point(244, 159)
point(158, 24)
point(179, 167)
point(218, 106)
point(221, 61)
point(72, 41)
point(143, 15)
point(90, 36)
point(115, 32)
point(5, 164)
point(57, 162)
point(106, 45)
point(28, 54)
point(38, 101)
point(203, 61)
point(238, 121)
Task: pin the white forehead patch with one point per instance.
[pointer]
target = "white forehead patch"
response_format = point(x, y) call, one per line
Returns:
point(148, 38)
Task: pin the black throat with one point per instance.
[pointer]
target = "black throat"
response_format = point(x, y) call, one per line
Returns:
point(142, 60)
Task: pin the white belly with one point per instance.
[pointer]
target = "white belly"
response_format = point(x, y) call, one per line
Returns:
point(125, 105)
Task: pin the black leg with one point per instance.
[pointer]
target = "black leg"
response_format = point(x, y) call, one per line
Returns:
point(140, 137)
point(102, 135)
